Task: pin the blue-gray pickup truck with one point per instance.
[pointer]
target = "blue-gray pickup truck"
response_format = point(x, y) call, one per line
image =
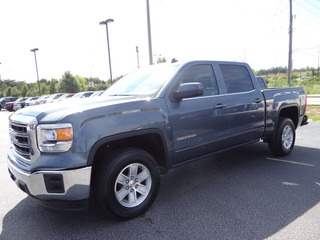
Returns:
point(111, 150)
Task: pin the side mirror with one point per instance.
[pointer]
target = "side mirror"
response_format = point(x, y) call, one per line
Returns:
point(188, 90)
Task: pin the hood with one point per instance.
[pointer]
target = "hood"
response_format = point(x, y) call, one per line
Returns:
point(53, 112)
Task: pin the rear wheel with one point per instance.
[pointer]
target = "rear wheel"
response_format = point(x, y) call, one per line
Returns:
point(127, 183)
point(284, 138)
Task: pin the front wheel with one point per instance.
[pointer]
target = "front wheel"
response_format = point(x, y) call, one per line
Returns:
point(127, 183)
point(284, 138)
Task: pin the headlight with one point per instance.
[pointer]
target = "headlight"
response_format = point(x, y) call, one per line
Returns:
point(54, 137)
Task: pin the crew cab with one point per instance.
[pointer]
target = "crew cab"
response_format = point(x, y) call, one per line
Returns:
point(111, 150)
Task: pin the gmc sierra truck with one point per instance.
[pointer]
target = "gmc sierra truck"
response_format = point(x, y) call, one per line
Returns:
point(111, 150)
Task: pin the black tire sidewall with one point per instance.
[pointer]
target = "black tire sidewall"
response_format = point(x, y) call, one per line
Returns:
point(120, 160)
point(276, 146)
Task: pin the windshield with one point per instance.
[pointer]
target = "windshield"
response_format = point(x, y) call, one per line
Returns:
point(147, 81)
point(78, 95)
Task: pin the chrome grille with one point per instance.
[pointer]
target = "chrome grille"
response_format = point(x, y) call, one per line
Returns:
point(20, 139)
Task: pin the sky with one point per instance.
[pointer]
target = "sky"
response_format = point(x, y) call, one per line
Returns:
point(69, 37)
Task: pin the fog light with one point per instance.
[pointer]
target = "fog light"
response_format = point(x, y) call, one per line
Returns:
point(54, 183)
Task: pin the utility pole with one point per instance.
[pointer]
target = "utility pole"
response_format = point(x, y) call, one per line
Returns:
point(149, 34)
point(137, 50)
point(318, 65)
point(290, 46)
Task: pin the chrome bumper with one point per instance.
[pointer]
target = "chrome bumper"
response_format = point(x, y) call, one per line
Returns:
point(69, 185)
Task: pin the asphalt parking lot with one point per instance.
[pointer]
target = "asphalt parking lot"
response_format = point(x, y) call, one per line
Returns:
point(241, 194)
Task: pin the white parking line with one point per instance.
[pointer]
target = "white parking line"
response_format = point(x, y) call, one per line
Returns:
point(292, 162)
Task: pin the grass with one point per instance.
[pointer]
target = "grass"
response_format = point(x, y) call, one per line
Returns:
point(314, 113)
point(311, 84)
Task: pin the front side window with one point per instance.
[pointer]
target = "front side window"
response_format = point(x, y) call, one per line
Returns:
point(237, 78)
point(201, 74)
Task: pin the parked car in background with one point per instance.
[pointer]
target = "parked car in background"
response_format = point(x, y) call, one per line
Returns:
point(30, 101)
point(22, 104)
point(262, 82)
point(41, 100)
point(54, 97)
point(66, 96)
point(83, 94)
point(6, 99)
point(9, 105)
point(96, 93)
point(63, 97)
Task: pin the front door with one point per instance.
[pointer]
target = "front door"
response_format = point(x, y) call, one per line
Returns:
point(198, 124)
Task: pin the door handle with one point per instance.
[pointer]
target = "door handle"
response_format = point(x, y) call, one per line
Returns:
point(220, 106)
point(257, 100)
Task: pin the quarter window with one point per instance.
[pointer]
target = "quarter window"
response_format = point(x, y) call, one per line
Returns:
point(237, 78)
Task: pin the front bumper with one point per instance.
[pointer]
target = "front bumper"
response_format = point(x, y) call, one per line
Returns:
point(64, 185)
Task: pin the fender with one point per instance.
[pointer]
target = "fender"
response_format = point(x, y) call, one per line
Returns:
point(283, 108)
point(138, 133)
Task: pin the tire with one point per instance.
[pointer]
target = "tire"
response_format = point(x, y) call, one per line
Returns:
point(126, 183)
point(284, 138)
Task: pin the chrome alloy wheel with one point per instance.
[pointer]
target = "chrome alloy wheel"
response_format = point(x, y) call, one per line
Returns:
point(133, 185)
point(287, 137)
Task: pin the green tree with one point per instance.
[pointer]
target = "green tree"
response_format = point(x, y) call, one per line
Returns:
point(161, 59)
point(255, 72)
point(33, 90)
point(15, 92)
point(4, 88)
point(82, 83)
point(68, 84)
point(24, 90)
point(9, 92)
point(43, 89)
point(45, 81)
point(52, 86)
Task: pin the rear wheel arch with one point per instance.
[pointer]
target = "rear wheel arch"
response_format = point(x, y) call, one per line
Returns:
point(289, 112)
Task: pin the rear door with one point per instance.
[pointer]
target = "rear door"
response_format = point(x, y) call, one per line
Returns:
point(245, 106)
point(197, 124)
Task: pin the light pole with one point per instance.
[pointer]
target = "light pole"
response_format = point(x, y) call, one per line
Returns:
point(106, 23)
point(137, 49)
point(35, 58)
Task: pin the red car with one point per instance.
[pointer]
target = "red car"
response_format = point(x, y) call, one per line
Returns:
point(9, 105)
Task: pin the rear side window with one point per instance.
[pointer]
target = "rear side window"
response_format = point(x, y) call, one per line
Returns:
point(202, 74)
point(237, 78)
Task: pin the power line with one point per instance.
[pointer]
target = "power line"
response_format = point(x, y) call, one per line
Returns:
point(312, 4)
point(306, 49)
point(307, 9)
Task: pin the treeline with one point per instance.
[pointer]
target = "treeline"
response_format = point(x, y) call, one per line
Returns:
point(67, 84)
point(278, 70)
